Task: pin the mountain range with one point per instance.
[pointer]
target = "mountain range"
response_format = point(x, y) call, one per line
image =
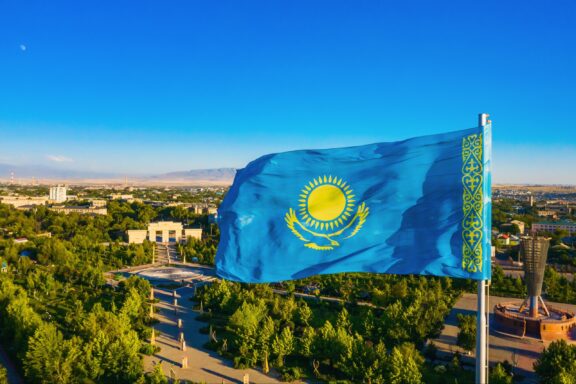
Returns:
point(41, 172)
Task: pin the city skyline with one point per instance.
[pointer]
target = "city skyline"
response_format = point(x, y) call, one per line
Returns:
point(148, 89)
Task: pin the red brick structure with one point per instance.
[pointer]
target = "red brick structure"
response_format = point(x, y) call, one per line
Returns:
point(559, 324)
point(533, 318)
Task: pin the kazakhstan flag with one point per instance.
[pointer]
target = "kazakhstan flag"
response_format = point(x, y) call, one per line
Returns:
point(419, 206)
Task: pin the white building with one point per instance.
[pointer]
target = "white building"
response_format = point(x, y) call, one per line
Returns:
point(163, 232)
point(58, 194)
point(98, 203)
point(23, 201)
point(119, 196)
point(80, 210)
point(551, 226)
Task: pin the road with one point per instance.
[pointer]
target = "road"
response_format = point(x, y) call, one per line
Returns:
point(12, 372)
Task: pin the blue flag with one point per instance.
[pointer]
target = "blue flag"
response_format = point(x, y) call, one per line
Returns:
point(418, 206)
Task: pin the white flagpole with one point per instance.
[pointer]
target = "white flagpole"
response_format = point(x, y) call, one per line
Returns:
point(481, 334)
point(481, 320)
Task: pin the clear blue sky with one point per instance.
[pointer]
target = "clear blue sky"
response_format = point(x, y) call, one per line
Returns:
point(157, 86)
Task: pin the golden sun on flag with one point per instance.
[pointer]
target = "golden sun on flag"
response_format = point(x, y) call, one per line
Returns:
point(326, 203)
point(326, 214)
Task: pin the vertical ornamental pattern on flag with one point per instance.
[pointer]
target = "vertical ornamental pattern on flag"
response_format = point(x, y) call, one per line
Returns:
point(473, 202)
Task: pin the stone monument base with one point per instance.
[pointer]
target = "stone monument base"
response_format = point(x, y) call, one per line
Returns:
point(511, 318)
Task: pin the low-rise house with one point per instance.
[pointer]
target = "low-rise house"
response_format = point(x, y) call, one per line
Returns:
point(551, 226)
point(81, 210)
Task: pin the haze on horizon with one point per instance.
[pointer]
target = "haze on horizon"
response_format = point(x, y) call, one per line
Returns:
point(147, 88)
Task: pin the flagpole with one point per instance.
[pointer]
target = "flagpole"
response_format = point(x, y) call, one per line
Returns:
point(481, 321)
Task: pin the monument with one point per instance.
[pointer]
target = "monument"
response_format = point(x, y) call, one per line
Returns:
point(533, 318)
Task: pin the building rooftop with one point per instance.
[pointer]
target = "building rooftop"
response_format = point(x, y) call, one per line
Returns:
point(557, 222)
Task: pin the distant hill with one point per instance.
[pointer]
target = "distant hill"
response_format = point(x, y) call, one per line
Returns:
point(47, 172)
point(219, 174)
point(42, 172)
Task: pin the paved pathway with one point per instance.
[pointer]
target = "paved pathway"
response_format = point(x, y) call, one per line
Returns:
point(203, 365)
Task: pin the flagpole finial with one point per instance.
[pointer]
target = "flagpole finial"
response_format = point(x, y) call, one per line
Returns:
point(483, 119)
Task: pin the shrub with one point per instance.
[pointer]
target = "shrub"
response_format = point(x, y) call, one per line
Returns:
point(291, 373)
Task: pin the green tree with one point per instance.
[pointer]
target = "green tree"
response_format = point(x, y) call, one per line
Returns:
point(3, 375)
point(246, 322)
point(247, 318)
point(467, 333)
point(342, 345)
point(558, 235)
point(50, 358)
point(402, 367)
point(343, 320)
point(557, 364)
point(499, 375)
point(112, 349)
point(287, 309)
point(400, 289)
point(306, 341)
point(304, 313)
point(510, 228)
point(323, 345)
point(157, 375)
point(136, 308)
point(367, 362)
point(264, 338)
point(218, 295)
point(283, 345)
point(368, 324)
point(21, 320)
